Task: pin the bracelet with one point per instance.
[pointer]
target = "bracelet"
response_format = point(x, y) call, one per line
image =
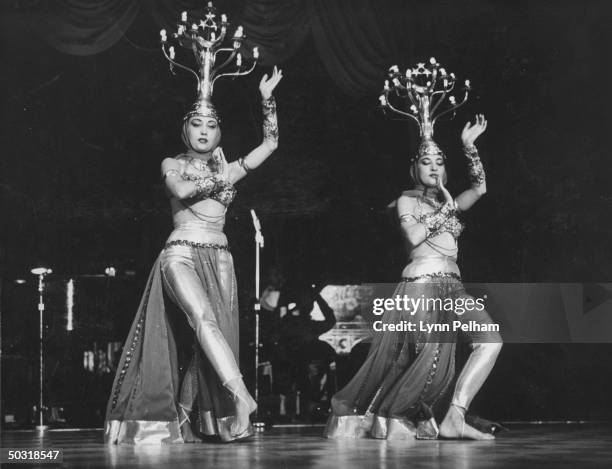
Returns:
point(407, 217)
point(244, 166)
point(269, 103)
point(171, 172)
point(204, 186)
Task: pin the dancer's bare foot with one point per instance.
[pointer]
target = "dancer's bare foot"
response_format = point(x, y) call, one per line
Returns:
point(454, 426)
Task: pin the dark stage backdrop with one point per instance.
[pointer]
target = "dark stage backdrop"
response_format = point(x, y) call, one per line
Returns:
point(89, 109)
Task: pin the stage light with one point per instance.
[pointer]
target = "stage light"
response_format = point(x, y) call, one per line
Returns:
point(110, 271)
point(70, 304)
point(41, 271)
point(20, 281)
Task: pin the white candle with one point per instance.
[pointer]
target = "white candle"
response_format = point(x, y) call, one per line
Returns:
point(255, 53)
point(172, 52)
point(224, 18)
point(383, 100)
point(184, 17)
point(239, 59)
point(162, 33)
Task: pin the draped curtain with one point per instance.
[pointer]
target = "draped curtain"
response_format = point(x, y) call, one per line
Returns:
point(354, 38)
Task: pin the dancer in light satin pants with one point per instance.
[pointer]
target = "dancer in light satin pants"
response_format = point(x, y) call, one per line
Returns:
point(149, 401)
point(396, 391)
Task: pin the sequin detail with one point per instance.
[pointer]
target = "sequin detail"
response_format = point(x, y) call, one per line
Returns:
point(193, 244)
point(270, 124)
point(475, 168)
point(443, 219)
point(432, 372)
point(128, 358)
point(208, 179)
point(213, 187)
point(436, 275)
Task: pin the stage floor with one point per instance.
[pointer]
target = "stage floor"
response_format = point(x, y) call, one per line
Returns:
point(556, 446)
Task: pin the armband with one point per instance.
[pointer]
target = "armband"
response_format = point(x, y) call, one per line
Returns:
point(270, 122)
point(244, 166)
point(171, 172)
point(475, 168)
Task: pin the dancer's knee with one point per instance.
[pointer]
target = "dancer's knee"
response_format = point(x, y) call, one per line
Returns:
point(205, 325)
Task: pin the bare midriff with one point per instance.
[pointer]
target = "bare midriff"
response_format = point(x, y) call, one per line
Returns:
point(203, 226)
point(438, 254)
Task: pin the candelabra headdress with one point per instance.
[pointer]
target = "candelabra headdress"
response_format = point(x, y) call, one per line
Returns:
point(205, 37)
point(423, 90)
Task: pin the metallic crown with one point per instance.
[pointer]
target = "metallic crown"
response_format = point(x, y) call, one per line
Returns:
point(205, 38)
point(423, 92)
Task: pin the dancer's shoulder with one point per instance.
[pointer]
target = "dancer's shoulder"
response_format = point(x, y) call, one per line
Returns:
point(179, 157)
point(407, 203)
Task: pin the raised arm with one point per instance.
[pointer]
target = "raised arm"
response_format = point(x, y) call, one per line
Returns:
point(477, 175)
point(181, 189)
point(239, 169)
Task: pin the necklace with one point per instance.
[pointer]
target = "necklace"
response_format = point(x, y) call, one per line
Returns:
point(431, 202)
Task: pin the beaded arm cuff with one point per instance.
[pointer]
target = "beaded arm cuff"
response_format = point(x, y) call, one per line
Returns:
point(433, 221)
point(270, 122)
point(205, 186)
point(475, 168)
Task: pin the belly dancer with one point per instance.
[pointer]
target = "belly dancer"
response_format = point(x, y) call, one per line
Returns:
point(194, 272)
point(397, 392)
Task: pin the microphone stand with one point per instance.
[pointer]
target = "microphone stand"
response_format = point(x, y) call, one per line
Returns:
point(41, 272)
point(259, 244)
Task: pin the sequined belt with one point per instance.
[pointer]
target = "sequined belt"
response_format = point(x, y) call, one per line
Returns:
point(436, 275)
point(193, 244)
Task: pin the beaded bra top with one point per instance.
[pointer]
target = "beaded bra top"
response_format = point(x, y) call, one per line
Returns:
point(451, 225)
point(214, 174)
